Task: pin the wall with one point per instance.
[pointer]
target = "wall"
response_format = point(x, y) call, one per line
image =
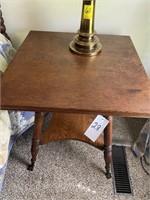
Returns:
point(123, 17)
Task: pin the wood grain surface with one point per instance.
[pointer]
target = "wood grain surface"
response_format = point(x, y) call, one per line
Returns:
point(64, 127)
point(45, 76)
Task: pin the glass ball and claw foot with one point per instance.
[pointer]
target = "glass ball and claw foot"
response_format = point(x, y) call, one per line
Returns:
point(108, 175)
point(31, 166)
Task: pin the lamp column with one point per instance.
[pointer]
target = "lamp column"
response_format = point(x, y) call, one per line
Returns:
point(85, 42)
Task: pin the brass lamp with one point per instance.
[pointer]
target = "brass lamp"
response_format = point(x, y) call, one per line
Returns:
point(85, 42)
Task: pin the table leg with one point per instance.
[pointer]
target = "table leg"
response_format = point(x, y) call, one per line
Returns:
point(39, 117)
point(108, 146)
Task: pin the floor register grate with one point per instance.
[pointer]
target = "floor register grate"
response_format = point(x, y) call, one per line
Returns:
point(120, 172)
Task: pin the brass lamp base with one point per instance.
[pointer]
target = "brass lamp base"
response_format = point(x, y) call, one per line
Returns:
point(86, 44)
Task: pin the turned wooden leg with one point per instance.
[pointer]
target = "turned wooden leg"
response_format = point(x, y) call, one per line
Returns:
point(108, 146)
point(39, 117)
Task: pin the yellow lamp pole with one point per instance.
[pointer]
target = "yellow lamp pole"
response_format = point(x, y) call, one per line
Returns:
point(85, 42)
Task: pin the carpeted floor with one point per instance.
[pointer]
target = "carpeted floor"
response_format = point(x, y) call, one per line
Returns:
point(71, 170)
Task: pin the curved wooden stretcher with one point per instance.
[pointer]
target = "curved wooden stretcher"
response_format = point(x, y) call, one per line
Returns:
point(65, 126)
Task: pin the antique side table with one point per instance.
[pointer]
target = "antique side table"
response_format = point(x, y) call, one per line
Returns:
point(46, 77)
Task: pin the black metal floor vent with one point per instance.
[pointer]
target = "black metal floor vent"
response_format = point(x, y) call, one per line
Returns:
point(120, 171)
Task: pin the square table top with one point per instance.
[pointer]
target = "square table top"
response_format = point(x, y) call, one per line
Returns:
point(46, 76)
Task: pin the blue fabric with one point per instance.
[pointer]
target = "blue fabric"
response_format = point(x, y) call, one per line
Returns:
point(6, 48)
point(27, 120)
point(20, 120)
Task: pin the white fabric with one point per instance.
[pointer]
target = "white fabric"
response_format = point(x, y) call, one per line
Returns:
point(3, 63)
point(12, 123)
point(5, 124)
point(5, 132)
point(6, 48)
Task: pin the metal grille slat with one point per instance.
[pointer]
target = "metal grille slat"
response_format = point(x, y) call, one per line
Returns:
point(120, 171)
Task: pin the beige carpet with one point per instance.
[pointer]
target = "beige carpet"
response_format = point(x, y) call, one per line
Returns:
point(71, 170)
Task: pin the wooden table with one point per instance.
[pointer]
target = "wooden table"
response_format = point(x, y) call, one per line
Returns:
point(46, 77)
